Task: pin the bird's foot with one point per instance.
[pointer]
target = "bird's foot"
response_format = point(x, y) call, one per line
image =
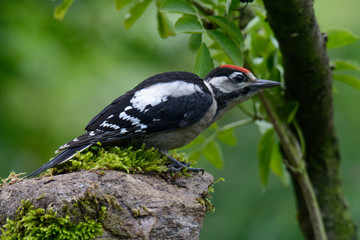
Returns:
point(176, 166)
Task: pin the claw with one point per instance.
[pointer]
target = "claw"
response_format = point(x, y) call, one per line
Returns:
point(177, 166)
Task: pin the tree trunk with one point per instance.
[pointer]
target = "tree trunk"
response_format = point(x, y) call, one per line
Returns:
point(138, 206)
point(308, 81)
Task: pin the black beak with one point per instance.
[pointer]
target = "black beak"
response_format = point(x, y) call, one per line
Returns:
point(262, 84)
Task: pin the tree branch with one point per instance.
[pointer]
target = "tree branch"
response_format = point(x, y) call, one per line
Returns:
point(308, 81)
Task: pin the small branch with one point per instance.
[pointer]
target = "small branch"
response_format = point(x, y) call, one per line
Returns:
point(224, 128)
point(297, 165)
point(236, 124)
point(206, 11)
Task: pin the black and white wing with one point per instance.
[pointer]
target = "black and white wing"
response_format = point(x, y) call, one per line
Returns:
point(160, 103)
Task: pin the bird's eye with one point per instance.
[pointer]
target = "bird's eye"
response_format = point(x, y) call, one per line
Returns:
point(239, 78)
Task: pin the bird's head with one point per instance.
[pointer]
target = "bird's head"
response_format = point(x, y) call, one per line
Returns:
point(232, 85)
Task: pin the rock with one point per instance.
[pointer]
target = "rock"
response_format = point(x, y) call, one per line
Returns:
point(139, 206)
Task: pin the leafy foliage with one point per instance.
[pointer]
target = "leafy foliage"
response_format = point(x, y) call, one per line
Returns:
point(61, 10)
point(135, 12)
point(347, 72)
point(177, 6)
point(270, 157)
point(203, 62)
point(119, 4)
point(339, 38)
point(188, 24)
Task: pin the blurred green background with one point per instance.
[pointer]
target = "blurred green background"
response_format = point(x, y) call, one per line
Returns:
point(54, 76)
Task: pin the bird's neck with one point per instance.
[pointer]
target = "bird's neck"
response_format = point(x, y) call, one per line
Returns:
point(227, 101)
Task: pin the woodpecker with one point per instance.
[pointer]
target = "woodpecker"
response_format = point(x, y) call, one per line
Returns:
point(165, 111)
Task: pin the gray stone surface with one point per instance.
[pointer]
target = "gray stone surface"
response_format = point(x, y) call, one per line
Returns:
point(149, 206)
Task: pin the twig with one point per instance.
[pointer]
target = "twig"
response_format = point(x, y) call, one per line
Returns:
point(202, 8)
point(297, 165)
point(236, 124)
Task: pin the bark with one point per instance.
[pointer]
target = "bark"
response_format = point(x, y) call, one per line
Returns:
point(308, 81)
point(143, 206)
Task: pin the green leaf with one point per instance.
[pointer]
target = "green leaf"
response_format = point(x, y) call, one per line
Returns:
point(196, 142)
point(227, 137)
point(228, 46)
point(194, 156)
point(178, 6)
point(195, 41)
point(214, 126)
point(135, 12)
point(221, 57)
point(165, 27)
point(253, 24)
point(348, 79)
point(339, 38)
point(231, 5)
point(61, 10)
point(276, 163)
point(345, 65)
point(119, 4)
point(188, 24)
point(265, 148)
point(230, 28)
point(263, 126)
point(203, 63)
point(292, 108)
point(212, 152)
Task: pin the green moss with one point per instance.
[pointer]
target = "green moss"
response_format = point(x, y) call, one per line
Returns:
point(127, 159)
point(40, 223)
point(11, 179)
point(205, 199)
point(140, 211)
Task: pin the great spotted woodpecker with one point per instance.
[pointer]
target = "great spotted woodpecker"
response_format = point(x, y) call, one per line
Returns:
point(166, 111)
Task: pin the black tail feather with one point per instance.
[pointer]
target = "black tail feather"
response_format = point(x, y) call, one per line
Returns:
point(63, 156)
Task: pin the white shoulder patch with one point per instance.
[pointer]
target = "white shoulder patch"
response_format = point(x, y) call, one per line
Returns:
point(157, 93)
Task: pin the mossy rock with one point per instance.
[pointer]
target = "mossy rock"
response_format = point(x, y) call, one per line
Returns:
point(127, 159)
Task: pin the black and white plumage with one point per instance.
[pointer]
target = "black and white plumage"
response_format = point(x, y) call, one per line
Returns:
point(165, 111)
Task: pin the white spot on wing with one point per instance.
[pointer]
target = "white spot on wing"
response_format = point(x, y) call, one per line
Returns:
point(134, 121)
point(110, 125)
point(157, 93)
point(128, 108)
point(110, 116)
point(62, 147)
point(123, 130)
point(75, 140)
point(129, 118)
point(92, 133)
